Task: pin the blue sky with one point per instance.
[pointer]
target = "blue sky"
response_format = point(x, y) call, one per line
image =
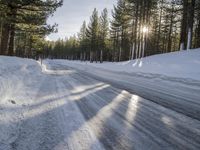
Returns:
point(72, 14)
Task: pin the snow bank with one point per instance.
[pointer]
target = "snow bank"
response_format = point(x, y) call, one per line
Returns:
point(13, 73)
point(182, 64)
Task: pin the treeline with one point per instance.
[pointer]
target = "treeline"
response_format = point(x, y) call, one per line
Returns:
point(23, 25)
point(92, 42)
point(138, 28)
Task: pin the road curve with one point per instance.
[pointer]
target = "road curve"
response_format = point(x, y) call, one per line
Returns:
point(69, 108)
point(123, 120)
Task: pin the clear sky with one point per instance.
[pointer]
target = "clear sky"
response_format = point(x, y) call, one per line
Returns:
point(72, 14)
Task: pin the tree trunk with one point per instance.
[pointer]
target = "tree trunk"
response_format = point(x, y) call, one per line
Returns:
point(1, 30)
point(183, 37)
point(5, 39)
point(190, 23)
point(169, 46)
point(101, 57)
point(12, 32)
point(136, 32)
point(11, 41)
point(159, 27)
point(133, 51)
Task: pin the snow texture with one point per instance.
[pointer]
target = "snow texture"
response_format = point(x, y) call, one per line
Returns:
point(182, 64)
point(70, 105)
point(35, 112)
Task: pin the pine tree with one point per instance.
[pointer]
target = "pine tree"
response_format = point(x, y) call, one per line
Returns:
point(139, 28)
point(83, 41)
point(103, 35)
point(119, 26)
point(28, 16)
point(187, 23)
point(197, 25)
point(92, 34)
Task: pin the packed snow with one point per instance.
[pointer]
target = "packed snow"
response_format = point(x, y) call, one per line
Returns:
point(171, 80)
point(35, 112)
point(151, 103)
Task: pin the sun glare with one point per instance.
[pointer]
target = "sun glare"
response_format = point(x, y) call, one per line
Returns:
point(145, 29)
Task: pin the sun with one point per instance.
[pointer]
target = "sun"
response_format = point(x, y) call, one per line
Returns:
point(145, 29)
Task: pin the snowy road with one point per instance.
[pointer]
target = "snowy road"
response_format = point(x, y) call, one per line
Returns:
point(74, 107)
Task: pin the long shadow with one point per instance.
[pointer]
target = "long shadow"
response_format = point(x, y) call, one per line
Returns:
point(41, 130)
point(113, 128)
point(110, 130)
point(93, 103)
point(152, 126)
point(147, 130)
point(44, 90)
point(163, 129)
point(110, 114)
point(169, 100)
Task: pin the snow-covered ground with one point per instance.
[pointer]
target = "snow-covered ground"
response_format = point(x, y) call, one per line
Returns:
point(70, 105)
point(171, 80)
point(182, 64)
point(35, 112)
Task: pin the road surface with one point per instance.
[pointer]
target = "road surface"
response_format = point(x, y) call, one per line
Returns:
point(76, 108)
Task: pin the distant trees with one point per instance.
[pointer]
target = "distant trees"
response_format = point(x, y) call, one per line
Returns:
point(23, 25)
point(90, 44)
point(138, 28)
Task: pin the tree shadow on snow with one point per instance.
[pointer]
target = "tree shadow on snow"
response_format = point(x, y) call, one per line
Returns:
point(118, 119)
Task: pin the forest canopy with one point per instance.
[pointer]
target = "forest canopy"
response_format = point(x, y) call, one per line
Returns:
point(23, 25)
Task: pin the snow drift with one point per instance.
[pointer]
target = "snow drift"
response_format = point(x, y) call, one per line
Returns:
point(13, 73)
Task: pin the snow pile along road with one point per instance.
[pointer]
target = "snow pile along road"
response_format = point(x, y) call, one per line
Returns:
point(13, 74)
point(182, 64)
